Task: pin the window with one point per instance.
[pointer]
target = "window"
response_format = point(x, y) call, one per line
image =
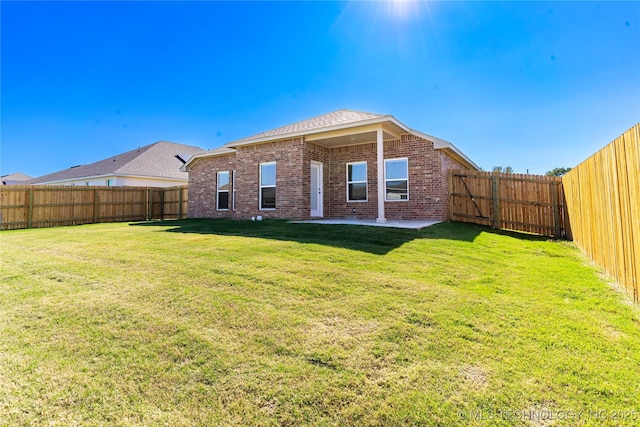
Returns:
point(223, 191)
point(396, 179)
point(268, 186)
point(357, 182)
point(233, 189)
point(109, 182)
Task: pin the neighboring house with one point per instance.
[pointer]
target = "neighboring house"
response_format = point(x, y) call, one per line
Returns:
point(154, 165)
point(337, 165)
point(15, 179)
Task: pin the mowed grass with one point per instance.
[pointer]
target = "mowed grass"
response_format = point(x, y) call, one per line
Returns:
point(215, 322)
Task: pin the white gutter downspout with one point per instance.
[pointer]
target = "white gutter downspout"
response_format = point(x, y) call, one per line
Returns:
point(380, 160)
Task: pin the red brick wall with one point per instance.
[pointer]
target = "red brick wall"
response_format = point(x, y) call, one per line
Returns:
point(291, 202)
point(427, 194)
point(202, 185)
point(337, 189)
point(428, 168)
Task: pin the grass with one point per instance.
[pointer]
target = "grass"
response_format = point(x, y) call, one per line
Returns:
point(215, 322)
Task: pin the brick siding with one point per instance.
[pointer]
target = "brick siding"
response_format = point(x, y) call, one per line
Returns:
point(428, 169)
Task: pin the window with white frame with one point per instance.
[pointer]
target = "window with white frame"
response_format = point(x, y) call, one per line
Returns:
point(357, 182)
point(267, 186)
point(396, 179)
point(223, 191)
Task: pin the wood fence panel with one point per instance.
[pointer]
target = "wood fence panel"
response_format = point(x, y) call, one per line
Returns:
point(14, 207)
point(529, 203)
point(175, 202)
point(52, 206)
point(603, 204)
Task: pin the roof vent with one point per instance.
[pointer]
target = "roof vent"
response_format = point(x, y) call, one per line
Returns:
point(76, 166)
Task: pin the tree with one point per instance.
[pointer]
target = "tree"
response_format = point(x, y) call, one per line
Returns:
point(557, 171)
point(506, 169)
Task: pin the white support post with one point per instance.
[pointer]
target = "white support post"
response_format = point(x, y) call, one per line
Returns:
point(380, 160)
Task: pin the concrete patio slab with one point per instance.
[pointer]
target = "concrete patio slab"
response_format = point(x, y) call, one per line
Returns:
point(411, 224)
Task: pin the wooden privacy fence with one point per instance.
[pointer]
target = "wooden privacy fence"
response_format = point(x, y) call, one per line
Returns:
point(531, 203)
point(603, 200)
point(50, 206)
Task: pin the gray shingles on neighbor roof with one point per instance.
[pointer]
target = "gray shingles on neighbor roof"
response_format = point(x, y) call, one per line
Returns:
point(155, 160)
point(15, 178)
point(335, 118)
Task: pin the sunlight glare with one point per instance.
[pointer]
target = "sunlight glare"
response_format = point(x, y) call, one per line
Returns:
point(404, 9)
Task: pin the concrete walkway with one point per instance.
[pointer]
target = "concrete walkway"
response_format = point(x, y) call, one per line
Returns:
point(412, 224)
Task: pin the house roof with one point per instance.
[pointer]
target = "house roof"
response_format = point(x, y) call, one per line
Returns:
point(156, 160)
point(318, 123)
point(14, 178)
point(341, 127)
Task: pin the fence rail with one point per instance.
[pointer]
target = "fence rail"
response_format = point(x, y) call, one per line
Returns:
point(603, 199)
point(49, 206)
point(530, 203)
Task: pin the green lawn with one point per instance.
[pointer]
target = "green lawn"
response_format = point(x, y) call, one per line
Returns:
point(215, 322)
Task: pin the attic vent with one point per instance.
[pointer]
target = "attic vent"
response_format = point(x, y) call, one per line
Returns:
point(76, 166)
point(182, 158)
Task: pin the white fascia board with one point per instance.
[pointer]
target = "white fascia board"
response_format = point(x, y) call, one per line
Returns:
point(104, 176)
point(373, 121)
point(440, 144)
point(80, 178)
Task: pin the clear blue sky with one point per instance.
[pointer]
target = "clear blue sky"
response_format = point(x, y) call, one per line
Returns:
point(533, 85)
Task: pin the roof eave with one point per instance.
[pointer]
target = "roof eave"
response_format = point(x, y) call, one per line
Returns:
point(441, 144)
point(108, 175)
point(221, 151)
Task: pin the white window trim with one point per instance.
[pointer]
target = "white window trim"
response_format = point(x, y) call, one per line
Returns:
point(385, 179)
point(218, 191)
point(233, 189)
point(366, 182)
point(265, 186)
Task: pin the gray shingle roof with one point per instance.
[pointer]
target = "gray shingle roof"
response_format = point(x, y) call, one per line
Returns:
point(155, 160)
point(335, 118)
point(14, 178)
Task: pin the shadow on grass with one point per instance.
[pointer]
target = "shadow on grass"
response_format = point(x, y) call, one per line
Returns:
point(374, 240)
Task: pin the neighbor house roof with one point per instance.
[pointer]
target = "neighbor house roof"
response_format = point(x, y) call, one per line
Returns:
point(159, 160)
point(14, 178)
point(335, 125)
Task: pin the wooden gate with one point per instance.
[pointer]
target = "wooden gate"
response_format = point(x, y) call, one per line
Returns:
point(530, 203)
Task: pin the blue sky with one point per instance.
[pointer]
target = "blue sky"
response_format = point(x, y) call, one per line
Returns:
point(533, 85)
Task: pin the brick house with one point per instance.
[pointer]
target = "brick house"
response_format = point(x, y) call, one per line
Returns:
point(344, 164)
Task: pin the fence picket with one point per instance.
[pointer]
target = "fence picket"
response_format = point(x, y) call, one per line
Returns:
point(603, 205)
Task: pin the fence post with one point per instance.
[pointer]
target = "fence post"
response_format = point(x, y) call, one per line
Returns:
point(556, 208)
point(149, 205)
point(95, 206)
point(162, 205)
point(180, 203)
point(495, 195)
point(30, 209)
